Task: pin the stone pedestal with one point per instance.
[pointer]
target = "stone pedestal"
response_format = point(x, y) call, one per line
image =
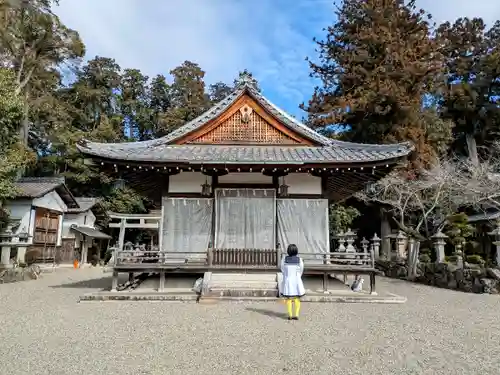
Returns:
point(21, 254)
point(439, 242)
point(5, 256)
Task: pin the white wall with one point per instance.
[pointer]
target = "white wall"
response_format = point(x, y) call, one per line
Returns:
point(83, 219)
point(245, 178)
point(187, 182)
point(302, 183)
point(298, 183)
point(51, 201)
point(21, 210)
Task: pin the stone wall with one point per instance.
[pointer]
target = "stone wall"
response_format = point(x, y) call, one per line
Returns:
point(471, 278)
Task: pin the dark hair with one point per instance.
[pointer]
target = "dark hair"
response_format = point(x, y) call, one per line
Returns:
point(292, 250)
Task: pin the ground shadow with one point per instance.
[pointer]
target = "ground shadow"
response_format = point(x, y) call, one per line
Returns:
point(270, 313)
point(101, 283)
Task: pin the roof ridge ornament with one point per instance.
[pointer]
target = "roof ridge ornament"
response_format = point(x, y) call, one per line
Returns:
point(246, 79)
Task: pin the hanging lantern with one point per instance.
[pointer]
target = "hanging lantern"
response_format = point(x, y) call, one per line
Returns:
point(206, 189)
point(283, 189)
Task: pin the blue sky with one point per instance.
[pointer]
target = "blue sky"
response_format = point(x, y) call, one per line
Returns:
point(270, 38)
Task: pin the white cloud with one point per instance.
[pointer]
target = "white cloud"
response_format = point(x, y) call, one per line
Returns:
point(271, 38)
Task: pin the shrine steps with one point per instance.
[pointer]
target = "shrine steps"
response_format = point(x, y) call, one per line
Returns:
point(218, 284)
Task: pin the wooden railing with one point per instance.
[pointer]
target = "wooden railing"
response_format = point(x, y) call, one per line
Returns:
point(249, 258)
point(357, 259)
point(159, 257)
point(243, 257)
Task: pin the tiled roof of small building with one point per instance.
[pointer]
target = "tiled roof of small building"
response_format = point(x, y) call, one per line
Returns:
point(36, 187)
point(162, 149)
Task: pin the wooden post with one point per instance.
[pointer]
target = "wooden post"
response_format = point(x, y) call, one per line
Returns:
point(372, 283)
point(114, 284)
point(210, 256)
point(161, 286)
point(131, 277)
point(325, 282)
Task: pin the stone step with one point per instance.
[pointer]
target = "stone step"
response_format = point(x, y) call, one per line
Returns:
point(242, 292)
point(263, 277)
point(254, 284)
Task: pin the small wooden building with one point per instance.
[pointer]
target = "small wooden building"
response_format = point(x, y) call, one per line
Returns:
point(36, 217)
point(82, 238)
point(245, 179)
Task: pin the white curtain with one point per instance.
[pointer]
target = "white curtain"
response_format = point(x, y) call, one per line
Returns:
point(187, 224)
point(304, 222)
point(245, 218)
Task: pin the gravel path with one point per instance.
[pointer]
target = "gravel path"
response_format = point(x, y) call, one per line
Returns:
point(45, 331)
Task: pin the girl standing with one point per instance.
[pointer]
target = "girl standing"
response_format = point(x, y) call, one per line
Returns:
point(292, 287)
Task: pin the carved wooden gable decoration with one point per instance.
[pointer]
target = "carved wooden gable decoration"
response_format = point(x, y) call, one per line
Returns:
point(245, 122)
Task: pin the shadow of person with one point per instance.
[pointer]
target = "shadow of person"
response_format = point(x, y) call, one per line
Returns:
point(270, 313)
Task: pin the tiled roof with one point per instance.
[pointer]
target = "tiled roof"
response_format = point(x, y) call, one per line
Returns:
point(162, 149)
point(217, 154)
point(36, 187)
point(84, 204)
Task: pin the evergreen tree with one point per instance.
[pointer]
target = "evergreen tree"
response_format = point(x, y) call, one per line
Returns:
point(377, 65)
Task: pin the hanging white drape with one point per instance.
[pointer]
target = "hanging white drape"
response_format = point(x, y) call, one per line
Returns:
point(304, 222)
point(245, 218)
point(187, 224)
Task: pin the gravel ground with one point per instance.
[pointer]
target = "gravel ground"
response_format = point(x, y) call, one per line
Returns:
point(45, 331)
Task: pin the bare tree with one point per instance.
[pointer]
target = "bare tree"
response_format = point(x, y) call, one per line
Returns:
point(421, 205)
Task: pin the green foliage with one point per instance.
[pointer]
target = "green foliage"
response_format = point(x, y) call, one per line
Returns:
point(458, 229)
point(425, 258)
point(341, 217)
point(13, 155)
point(475, 259)
point(124, 200)
point(376, 64)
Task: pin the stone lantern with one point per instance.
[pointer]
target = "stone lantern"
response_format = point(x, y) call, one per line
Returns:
point(341, 238)
point(376, 246)
point(438, 241)
point(496, 236)
point(350, 238)
point(400, 245)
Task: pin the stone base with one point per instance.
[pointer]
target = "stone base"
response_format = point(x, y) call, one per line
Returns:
point(184, 296)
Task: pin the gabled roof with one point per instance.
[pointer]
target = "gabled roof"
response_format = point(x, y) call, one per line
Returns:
point(165, 149)
point(36, 187)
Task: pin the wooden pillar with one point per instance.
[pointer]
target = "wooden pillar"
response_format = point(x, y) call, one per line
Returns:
point(215, 183)
point(114, 284)
point(372, 283)
point(276, 185)
point(325, 282)
point(161, 286)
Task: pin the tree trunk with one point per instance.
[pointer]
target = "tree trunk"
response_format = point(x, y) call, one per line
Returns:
point(472, 149)
point(413, 255)
point(385, 230)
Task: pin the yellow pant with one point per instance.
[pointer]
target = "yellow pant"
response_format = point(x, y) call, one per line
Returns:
point(289, 306)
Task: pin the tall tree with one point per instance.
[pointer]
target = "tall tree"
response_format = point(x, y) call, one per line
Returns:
point(160, 101)
point(471, 99)
point(188, 97)
point(34, 42)
point(218, 91)
point(135, 107)
point(13, 155)
point(377, 64)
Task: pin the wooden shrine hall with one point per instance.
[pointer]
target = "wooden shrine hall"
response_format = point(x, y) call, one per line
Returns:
point(238, 184)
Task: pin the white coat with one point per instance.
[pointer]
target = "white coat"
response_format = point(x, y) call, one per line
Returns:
point(292, 285)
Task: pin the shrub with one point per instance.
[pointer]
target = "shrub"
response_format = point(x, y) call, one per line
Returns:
point(475, 259)
point(425, 258)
